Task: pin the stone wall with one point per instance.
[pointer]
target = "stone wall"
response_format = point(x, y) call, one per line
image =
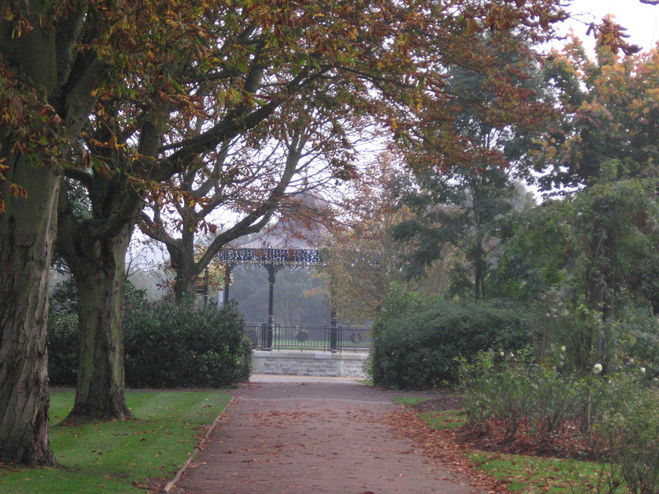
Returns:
point(321, 364)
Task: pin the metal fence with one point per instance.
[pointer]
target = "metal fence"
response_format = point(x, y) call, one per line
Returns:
point(340, 338)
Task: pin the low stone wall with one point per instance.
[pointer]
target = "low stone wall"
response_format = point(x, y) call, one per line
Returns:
point(321, 364)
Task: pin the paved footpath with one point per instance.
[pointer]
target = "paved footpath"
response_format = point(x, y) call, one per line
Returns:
point(313, 437)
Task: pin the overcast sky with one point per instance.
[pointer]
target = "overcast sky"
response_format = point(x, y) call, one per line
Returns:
point(641, 20)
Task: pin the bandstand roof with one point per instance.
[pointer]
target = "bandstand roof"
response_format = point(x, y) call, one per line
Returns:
point(296, 239)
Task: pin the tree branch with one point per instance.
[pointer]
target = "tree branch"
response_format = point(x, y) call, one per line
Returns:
point(258, 218)
point(80, 175)
point(155, 229)
point(230, 126)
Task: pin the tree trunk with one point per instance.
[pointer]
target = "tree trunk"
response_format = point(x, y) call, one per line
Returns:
point(480, 268)
point(185, 285)
point(27, 235)
point(100, 275)
point(182, 260)
point(43, 59)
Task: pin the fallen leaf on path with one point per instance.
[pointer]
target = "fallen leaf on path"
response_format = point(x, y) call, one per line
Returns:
point(442, 447)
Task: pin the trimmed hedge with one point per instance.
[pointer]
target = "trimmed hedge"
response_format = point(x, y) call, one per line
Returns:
point(169, 345)
point(63, 340)
point(166, 345)
point(62, 348)
point(416, 339)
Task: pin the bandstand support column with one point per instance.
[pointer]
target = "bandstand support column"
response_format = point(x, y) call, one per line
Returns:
point(267, 343)
point(227, 283)
point(334, 333)
point(206, 288)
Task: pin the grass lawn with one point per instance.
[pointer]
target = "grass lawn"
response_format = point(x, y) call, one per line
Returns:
point(528, 474)
point(409, 400)
point(531, 474)
point(448, 419)
point(109, 457)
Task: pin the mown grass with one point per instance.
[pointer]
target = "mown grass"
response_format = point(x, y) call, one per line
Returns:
point(409, 400)
point(531, 474)
point(112, 457)
point(448, 419)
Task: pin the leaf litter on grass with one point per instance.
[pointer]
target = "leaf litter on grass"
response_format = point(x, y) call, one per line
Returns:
point(441, 447)
point(442, 439)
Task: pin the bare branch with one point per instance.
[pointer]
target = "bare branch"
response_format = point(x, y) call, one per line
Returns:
point(258, 218)
point(154, 229)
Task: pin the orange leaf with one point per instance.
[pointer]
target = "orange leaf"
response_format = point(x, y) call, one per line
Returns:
point(18, 191)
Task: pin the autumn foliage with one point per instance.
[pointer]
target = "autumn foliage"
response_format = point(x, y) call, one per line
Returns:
point(117, 97)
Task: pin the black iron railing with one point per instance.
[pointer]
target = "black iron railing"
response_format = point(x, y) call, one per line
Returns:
point(339, 338)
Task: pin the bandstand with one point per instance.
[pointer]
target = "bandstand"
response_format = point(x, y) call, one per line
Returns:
point(297, 240)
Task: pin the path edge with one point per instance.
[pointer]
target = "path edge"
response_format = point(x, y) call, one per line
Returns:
point(172, 483)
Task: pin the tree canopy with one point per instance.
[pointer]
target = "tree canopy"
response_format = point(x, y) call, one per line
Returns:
point(103, 92)
point(606, 123)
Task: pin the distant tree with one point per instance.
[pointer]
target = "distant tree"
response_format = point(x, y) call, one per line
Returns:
point(299, 297)
point(607, 124)
point(594, 253)
point(596, 248)
point(464, 166)
point(464, 210)
point(601, 154)
point(615, 228)
point(536, 253)
point(362, 259)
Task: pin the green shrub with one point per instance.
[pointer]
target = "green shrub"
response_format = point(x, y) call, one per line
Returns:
point(614, 419)
point(629, 338)
point(637, 342)
point(516, 393)
point(62, 348)
point(559, 412)
point(416, 340)
point(170, 345)
point(165, 345)
point(63, 345)
point(632, 442)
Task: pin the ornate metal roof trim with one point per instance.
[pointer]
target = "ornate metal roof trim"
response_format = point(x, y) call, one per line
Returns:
point(265, 256)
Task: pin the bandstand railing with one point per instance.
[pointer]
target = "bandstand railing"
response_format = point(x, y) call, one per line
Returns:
point(339, 338)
